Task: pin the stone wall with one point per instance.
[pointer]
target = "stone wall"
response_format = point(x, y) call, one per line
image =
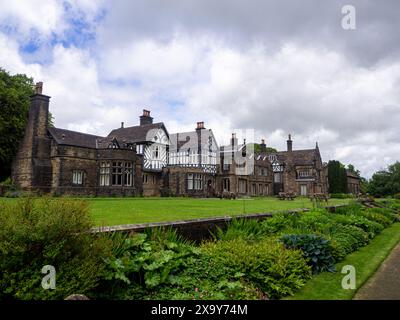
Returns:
point(196, 229)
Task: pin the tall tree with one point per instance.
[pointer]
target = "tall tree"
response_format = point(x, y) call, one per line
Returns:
point(385, 182)
point(15, 91)
point(337, 177)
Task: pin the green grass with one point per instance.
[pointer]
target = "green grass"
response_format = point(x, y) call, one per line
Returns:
point(115, 211)
point(143, 210)
point(327, 286)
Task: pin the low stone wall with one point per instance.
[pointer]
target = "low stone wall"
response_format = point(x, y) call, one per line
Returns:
point(197, 229)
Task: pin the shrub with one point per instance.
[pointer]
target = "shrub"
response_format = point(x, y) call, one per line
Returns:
point(346, 239)
point(371, 227)
point(266, 264)
point(241, 228)
point(316, 249)
point(278, 223)
point(35, 233)
point(397, 196)
point(145, 262)
point(316, 220)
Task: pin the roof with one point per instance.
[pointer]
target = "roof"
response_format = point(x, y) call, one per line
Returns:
point(135, 134)
point(73, 138)
point(300, 157)
point(183, 141)
point(352, 174)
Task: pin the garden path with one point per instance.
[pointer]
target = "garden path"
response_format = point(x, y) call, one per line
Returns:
point(385, 283)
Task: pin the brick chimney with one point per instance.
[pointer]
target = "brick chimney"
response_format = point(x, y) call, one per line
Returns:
point(289, 143)
point(234, 140)
point(34, 150)
point(263, 146)
point(145, 118)
point(200, 125)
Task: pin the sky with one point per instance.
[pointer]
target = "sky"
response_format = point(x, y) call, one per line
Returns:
point(267, 67)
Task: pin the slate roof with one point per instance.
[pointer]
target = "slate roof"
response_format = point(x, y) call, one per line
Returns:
point(135, 134)
point(184, 141)
point(300, 157)
point(73, 138)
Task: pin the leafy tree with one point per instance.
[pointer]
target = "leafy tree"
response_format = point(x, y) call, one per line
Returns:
point(337, 177)
point(385, 182)
point(15, 91)
point(257, 148)
point(352, 169)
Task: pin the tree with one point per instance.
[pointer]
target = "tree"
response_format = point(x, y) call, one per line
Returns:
point(257, 149)
point(352, 169)
point(337, 177)
point(385, 182)
point(15, 91)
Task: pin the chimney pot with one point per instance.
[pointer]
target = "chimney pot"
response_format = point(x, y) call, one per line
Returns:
point(200, 125)
point(145, 118)
point(122, 124)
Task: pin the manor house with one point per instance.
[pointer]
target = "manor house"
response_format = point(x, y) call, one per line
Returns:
point(148, 160)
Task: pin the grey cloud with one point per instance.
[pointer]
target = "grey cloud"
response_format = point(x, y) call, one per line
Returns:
point(308, 22)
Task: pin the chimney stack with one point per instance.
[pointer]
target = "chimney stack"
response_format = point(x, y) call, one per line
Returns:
point(234, 140)
point(200, 125)
point(289, 143)
point(263, 146)
point(145, 118)
point(122, 124)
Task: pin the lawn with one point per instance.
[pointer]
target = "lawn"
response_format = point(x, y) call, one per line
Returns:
point(327, 286)
point(142, 210)
point(115, 211)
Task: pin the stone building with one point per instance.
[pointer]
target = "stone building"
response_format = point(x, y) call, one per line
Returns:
point(244, 172)
point(299, 171)
point(59, 161)
point(353, 183)
point(192, 163)
point(146, 160)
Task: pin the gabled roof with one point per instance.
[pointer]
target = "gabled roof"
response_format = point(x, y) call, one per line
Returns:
point(73, 138)
point(183, 141)
point(135, 134)
point(300, 157)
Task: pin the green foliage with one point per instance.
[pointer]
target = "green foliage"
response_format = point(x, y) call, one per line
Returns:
point(15, 91)
point(337, 177)
point(346, 239)
point(35, 233)
point(266, 263)
point(278, 223)
point(316, 249)
point(146, 261)
point(241, 228)
point(385, 182)
point(340, 195)
point(397, 196)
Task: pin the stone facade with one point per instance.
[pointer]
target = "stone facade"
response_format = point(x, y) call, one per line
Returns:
point(59, 161)
point(353, 183)
point(244, 172)
point(146, 160)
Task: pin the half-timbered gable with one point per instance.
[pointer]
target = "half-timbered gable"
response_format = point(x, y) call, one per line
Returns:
point(196, 149)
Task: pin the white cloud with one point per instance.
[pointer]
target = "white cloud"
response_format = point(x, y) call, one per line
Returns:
point(25, 15)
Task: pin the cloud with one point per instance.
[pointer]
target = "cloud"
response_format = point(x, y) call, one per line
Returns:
point(275, 67)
